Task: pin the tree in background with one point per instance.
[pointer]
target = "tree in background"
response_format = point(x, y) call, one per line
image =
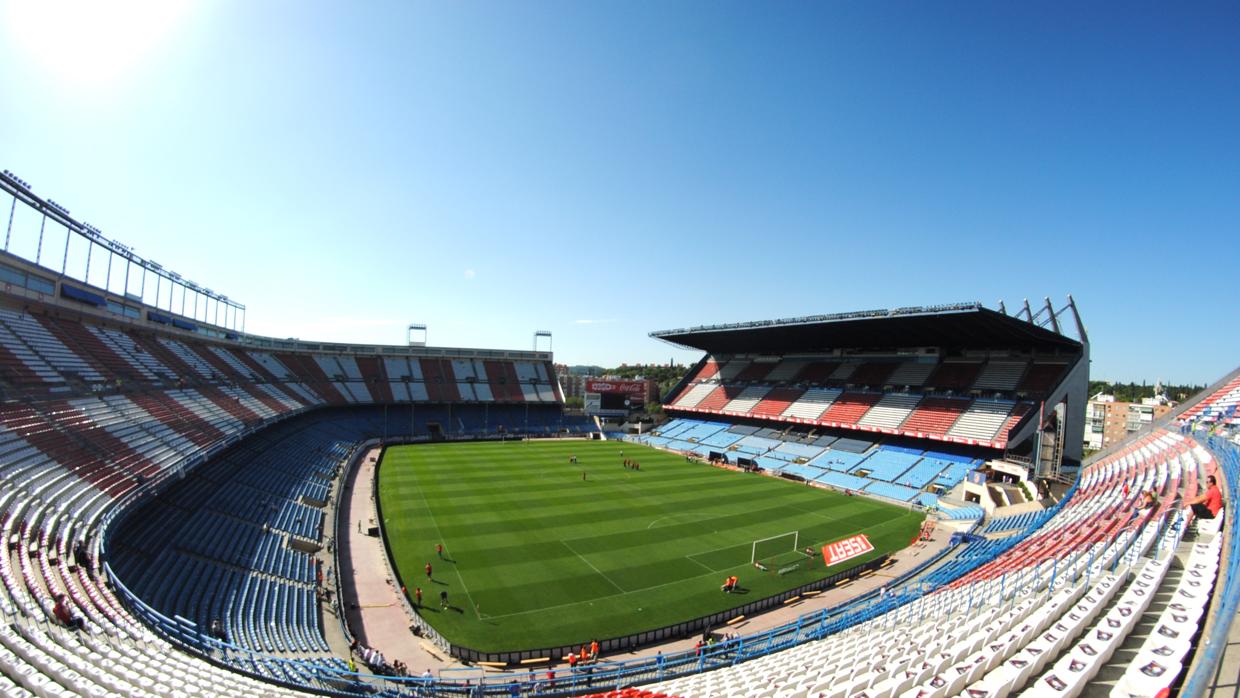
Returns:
point(1133, 392)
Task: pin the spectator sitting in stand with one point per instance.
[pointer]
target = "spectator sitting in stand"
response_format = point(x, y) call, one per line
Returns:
point(66, 614)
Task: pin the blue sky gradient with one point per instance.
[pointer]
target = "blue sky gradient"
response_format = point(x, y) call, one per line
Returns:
point(602, 170)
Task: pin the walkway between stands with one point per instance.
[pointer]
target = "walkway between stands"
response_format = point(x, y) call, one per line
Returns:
point(371, 599)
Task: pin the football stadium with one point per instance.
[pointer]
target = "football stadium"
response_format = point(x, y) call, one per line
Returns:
point(876, 503)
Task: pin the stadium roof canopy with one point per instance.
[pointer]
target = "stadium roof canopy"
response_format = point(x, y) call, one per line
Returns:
point(960, 326)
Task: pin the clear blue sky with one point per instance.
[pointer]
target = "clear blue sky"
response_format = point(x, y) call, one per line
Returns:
point(602, 170)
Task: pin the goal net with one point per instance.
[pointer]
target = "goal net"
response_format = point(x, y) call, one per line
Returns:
point(774, 545)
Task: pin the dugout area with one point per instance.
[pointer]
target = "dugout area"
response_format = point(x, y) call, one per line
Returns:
point(536, 556)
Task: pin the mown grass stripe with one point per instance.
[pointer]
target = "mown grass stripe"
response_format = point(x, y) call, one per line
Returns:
point(548, 559)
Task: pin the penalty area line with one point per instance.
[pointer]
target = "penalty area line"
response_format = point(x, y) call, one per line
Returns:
point(591, 565)
point(698, 516)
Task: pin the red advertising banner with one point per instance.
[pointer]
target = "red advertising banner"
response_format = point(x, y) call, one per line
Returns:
point(841, 550)
point(623, 387)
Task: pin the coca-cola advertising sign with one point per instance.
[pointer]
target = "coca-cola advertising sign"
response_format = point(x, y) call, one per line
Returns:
point(612, 387)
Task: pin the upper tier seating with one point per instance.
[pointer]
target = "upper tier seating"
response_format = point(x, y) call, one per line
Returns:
point(912, 374)
point(873, 374)
point(719, 397)
point(746, 400)
point(845, 393)
point(41, 355)
point(817, 372)
point(785, 370)
point(709, 370)
point(982, 421)
point(730, 370)
point(1041, 377)
point(1000, 375)
point(21, 331)
point(694, 394)
point(812, 403)
point(755, 371)
point(776, 402)
point(954, 375)
point(890, 411)
point(935, 415)
point(849, 407)
point(1221, 405)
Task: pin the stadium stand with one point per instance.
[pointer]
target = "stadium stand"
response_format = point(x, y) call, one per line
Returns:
point(981, 421)
point(890, 411)
point(955, 375)
point(1041, 377)
point(893, 472)
point(911, 374)
point(1040, 613)
point(873, 374)
point(99, 416)
point(811, 404)
point(1000, 376)
point(694, 395)
point(154, 478)
point(746, 400)
point(776, 402)
point(916, 414)
point(1219, 406)
point(848, 408)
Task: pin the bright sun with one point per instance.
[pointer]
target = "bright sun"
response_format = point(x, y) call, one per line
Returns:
point(90, 43)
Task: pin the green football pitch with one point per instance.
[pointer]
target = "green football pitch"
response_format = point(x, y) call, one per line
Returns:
point(536, 556)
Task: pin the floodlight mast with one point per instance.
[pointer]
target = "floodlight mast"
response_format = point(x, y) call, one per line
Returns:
point(97, 243)
point(416, 328)
point(542, 333)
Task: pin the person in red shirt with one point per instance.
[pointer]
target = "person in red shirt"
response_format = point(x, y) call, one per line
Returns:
point(439, 550)
point(65, 614)
point(1206, 506)
point(417, 597)
point(428, 571)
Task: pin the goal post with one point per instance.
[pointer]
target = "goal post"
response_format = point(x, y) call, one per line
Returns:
point(774, 545)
